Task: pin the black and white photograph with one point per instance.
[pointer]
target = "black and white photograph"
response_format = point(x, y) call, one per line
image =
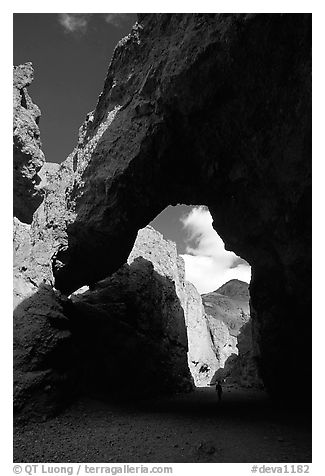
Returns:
point(162, 240)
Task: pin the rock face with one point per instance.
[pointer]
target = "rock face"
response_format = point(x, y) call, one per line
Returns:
point(28, 156)
point(242, 369)
point(210, 109)
point(46, 364)
point(227, 311)
point(202, 358)
point(131, 326)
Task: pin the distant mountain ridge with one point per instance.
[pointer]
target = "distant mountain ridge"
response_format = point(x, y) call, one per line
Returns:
point(234, 289)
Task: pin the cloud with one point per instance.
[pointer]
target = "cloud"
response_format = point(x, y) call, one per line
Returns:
point(78, 22)
point(237, 262)
point(207, 264)
point(74, 22)
point(117, 19)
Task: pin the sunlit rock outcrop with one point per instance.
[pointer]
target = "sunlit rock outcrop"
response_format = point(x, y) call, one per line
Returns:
point(28, 156)
point(203, 361)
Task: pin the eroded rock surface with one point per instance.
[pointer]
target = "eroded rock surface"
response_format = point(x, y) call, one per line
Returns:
point(28, 156)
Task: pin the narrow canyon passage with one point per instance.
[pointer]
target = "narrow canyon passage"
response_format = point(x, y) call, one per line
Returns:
point(121, 331)
point(184, 428)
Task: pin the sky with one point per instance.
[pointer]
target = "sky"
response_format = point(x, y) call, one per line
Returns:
point(70, 54)
point(207, 264)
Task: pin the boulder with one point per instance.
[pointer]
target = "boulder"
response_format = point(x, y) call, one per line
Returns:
point(131, 334)
point(46, 363)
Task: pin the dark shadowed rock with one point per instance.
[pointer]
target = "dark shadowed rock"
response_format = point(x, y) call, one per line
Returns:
point(241, 367)
point(46, 366)
point(131, 332)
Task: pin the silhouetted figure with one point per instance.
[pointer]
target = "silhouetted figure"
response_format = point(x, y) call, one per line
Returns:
point(219, 390)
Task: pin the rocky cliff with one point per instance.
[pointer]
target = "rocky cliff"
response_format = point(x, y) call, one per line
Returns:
point(228, 316)
point(210, 109)
point(202, 358)
point(27, 154)
point(229, 304)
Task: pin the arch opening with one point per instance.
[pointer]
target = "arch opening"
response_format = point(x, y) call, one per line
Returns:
point(215, 297)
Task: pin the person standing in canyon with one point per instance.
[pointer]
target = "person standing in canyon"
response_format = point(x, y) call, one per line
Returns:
point(219, 390)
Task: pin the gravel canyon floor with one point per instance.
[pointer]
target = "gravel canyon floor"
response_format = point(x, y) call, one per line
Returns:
point(187, 428)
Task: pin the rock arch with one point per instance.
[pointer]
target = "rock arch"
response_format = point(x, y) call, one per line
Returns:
point(210, 109)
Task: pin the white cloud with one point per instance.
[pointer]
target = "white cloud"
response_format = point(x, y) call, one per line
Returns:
point(78, 22)
point(116, 19)
point(207, 264)
point(74, 22)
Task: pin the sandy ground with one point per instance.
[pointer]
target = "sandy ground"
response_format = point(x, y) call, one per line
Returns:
point(186, 428)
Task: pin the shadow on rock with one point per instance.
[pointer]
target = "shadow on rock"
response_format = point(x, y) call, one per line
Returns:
point(46, 364)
